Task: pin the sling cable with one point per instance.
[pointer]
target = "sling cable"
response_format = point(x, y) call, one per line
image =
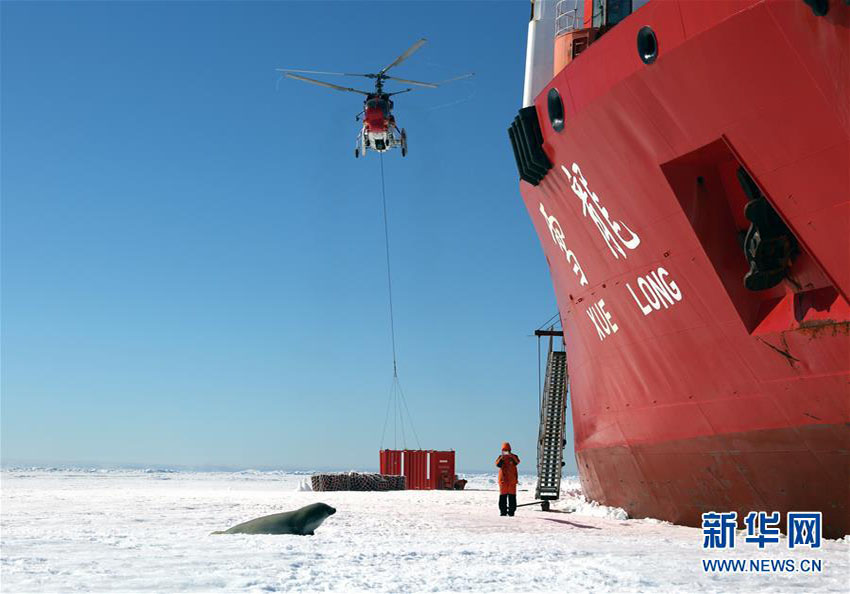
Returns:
point(396, 401)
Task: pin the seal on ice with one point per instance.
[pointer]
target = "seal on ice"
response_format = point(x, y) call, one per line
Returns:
point(301, 521)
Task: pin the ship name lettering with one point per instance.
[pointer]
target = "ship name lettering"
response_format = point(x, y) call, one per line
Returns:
point(558, 237)
point(616, 234)
point(658, 290)
point(602, 320)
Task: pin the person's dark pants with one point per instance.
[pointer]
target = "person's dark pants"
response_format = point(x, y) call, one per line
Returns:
point(507, 504)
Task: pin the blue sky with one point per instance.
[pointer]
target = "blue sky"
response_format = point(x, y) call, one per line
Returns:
point(193, 261)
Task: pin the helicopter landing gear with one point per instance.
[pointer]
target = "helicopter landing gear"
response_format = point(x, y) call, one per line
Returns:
point(360, 145)
point(403, 143)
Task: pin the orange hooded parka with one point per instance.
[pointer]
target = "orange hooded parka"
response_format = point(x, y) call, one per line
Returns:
point(507, 471)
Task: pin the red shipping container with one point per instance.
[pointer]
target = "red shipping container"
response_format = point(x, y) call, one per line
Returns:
point(442, 470)
point(422, 469)
point(416, 469)
point(390, 462)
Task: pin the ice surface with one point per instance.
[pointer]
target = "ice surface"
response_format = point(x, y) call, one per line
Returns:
point(97, 530)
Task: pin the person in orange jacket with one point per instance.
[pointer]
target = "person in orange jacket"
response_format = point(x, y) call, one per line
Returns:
point(507, 464)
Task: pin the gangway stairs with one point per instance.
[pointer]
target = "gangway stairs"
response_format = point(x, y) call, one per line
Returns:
point(551, 438)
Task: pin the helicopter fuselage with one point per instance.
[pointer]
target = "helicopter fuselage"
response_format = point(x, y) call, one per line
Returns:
point(379, 132)
point(378, 122)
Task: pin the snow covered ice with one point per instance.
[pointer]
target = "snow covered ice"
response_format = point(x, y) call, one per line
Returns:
point(132, 530)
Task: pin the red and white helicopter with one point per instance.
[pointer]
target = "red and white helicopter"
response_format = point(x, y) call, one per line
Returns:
point(379, 132)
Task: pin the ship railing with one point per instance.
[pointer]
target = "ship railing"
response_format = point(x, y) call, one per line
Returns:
point(566, 16)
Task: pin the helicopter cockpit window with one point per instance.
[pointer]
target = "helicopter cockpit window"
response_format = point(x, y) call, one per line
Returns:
point(377, 104)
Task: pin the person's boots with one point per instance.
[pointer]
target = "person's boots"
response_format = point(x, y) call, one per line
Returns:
point(503, 505)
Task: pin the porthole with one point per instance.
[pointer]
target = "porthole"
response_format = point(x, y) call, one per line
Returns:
point(647, 45)
point(556, 109)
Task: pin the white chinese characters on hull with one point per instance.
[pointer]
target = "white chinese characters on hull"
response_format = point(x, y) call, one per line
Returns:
point(557, 233)
point(616, 234)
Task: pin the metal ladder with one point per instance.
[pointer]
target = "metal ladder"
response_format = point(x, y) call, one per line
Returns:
point(551, 441)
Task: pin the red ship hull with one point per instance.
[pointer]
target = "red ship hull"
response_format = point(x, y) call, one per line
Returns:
point(689, 392)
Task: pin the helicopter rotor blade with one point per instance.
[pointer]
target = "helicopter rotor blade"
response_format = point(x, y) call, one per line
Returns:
point(414, 82)
point(285, 70)
point(454, 78)
point(322, 83)
point(410, 51)
point(400, 92)
point(430, 85)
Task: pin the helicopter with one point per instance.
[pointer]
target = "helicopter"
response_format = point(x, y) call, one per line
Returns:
point(379, 131)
